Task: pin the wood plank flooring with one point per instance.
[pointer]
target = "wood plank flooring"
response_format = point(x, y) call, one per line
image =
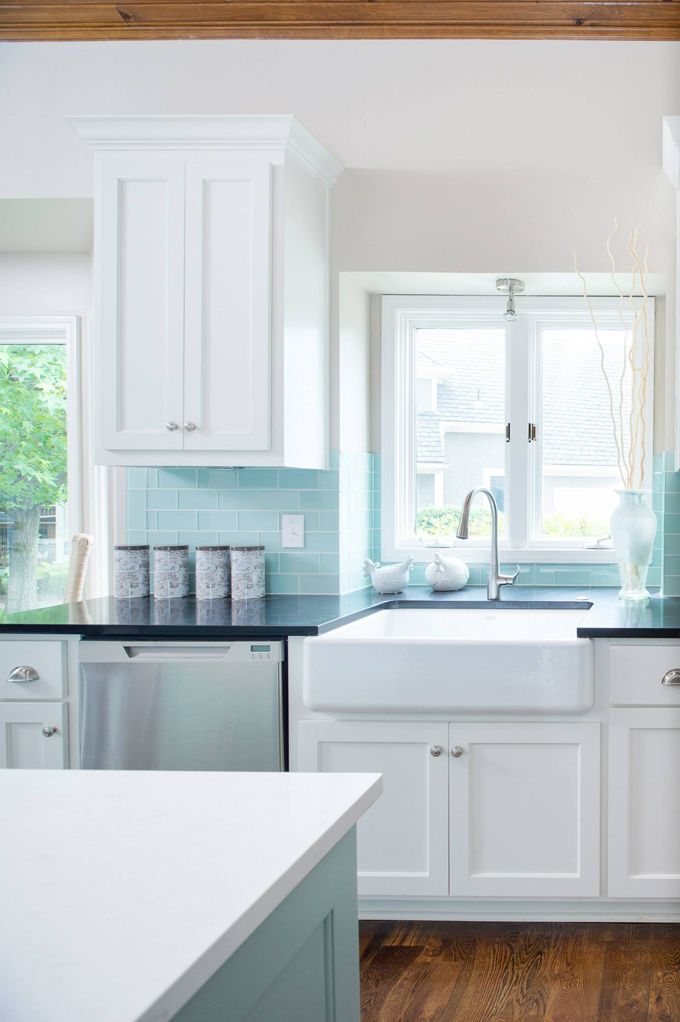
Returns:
point(520, 972)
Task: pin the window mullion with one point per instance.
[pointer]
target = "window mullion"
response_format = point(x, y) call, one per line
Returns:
point(518, 448)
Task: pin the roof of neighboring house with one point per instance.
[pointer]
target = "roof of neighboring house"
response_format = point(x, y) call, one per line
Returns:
point(577, 428)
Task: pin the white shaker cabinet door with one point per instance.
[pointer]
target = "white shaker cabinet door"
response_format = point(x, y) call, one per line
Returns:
point(644, 804)
point(402, 842)
point(33, 735)
point(139, 303)
point(525, 817)
point(228, 307)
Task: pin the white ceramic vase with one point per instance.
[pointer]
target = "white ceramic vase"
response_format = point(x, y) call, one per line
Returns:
point(633, 526)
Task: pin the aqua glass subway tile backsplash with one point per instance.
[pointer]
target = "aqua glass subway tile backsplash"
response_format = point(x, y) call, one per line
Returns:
point(341, 509)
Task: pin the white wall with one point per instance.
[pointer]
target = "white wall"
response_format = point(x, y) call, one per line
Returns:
point(45, 284)
point(494, 157)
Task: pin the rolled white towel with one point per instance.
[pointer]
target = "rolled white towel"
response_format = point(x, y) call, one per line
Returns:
point(81, 544)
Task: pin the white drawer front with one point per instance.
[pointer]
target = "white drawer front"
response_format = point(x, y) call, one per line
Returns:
point(636, 675)
point(46, 659)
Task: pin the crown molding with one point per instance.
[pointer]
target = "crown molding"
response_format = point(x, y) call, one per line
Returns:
point(274, 132)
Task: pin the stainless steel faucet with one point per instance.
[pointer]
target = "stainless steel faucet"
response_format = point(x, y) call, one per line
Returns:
point(496, 580)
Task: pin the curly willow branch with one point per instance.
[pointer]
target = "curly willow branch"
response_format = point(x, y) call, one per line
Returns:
point(612, 413)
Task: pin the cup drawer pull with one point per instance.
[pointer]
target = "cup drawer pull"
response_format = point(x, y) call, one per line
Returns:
point(672, 678)
point(23, 673)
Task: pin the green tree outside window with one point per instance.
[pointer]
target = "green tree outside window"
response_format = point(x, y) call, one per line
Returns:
point(33, 455)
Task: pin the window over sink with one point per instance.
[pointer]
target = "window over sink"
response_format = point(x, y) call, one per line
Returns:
point(520, 407)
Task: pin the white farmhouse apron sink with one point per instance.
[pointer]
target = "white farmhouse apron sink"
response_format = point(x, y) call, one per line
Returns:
point(442, 660)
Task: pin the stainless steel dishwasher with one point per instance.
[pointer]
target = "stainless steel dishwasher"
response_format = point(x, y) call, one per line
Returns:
point(181, 705)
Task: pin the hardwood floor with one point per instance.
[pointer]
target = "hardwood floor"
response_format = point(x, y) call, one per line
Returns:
point(520, 972)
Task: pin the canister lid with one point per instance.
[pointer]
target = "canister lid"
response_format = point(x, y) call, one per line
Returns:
point(213, 547)
point(172, 547)
point(134, 546)
point(247, 548)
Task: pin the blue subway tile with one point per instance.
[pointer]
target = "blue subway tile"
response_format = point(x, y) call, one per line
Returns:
point(197, 499)
point(218, 478)
point(322, 500)
point(299, 478)
point(266, 521)
point(286, 584)
point(135, 478)
point(135, 509)
point(236, 538)
point(176, 520)
point(237, 500)
point(299, 561)
point(222, 521)
point(280, 500)
point(162, 499)
point(178, 478)
point(258, 478)
point(321, 584)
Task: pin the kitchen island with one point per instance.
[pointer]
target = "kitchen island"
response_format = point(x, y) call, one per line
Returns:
point(149, 896)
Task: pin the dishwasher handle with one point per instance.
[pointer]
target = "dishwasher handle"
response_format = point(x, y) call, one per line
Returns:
point(179, 654)
point(127, 651)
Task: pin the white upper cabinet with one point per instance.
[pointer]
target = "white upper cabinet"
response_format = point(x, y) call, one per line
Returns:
point(211, 295)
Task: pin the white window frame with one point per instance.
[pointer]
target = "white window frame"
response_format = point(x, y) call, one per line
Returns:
point(91, 488)
point(402, 316)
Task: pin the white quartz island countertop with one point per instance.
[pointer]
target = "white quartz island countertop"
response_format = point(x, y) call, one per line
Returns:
point(123, 892)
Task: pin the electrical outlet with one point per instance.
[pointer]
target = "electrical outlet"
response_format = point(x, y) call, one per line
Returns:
point(292, 530)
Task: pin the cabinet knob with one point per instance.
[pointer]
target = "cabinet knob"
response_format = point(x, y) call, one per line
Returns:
point(171, 426)
point(49, 731)
point(457, 751)
point(23, 673)
point(672, 677)
point(436, 750)
point(190, 426)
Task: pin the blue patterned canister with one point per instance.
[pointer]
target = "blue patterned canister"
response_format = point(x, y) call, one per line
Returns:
point(247, 572)
point(170, 572)
point(130, 572)
point(212, 572)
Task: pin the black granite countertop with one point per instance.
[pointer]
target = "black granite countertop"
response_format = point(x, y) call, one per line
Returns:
point(605, 616)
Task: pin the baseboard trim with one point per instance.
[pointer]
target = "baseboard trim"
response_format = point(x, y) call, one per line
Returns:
point(540, 910)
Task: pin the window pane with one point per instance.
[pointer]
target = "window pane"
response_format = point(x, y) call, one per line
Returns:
point(460, 428)
point(579, 463)
point(33, 475)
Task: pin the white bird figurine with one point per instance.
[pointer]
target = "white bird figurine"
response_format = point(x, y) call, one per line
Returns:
point(389, 579)
point(444, 574)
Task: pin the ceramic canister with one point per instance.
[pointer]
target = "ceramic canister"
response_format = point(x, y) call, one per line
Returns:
point(170, 572)
point(247, 572)
point(130, 572)
point(212, 572)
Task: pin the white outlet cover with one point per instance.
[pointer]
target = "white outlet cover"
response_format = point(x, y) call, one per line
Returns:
point(292, 531)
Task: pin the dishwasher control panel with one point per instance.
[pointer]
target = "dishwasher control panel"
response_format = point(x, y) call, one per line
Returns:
point(262, 651)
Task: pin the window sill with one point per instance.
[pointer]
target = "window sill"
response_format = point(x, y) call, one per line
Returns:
point(506, 555)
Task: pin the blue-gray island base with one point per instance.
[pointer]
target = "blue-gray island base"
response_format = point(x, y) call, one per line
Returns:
point(302, 963)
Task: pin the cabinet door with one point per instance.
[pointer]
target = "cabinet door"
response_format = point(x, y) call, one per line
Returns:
point(524, 810)
point(644, 809)
point(33, 735)
point(139, 301)
point(227, 327)
point(402, 841)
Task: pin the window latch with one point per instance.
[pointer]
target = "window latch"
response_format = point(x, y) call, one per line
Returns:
point(532, 432)
point(507, 432)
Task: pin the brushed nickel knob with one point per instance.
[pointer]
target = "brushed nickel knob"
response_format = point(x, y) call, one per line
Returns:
point(672, 677)
point(436, 750)
point(190, 426)
point(23, 673)
point(171, 426)
point(49, 731)
point(457, 751)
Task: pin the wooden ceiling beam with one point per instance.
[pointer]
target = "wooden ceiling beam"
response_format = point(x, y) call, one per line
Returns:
point(342, 19)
